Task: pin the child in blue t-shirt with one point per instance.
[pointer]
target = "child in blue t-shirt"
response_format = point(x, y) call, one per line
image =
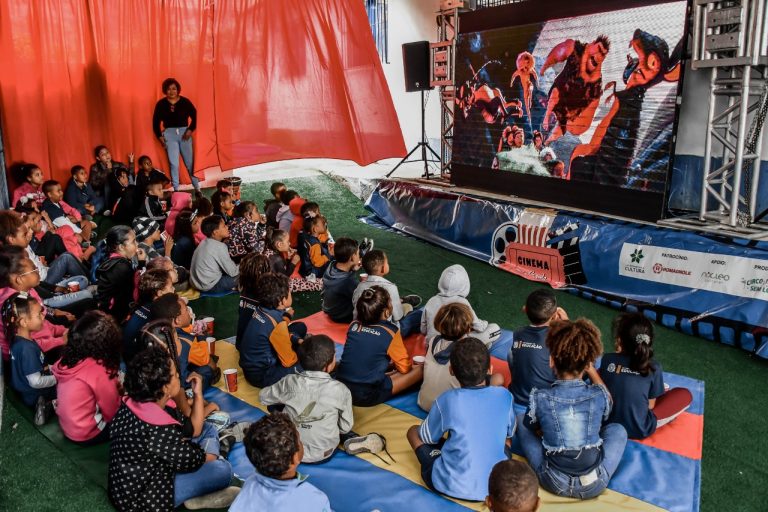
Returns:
point(636, 381)
point(22, 316)
point(562, 435)
point(373, 346)
point(479, 421)
point(528, 358)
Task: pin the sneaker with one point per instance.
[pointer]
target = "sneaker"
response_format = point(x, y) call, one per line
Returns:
point(218, 499)
point(220, 419)
point(42, 411)
point(238, 430)
point(372, 443)
point(106, 213)
point(413, 300)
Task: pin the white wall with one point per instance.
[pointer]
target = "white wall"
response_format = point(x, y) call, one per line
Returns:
point(409, 21)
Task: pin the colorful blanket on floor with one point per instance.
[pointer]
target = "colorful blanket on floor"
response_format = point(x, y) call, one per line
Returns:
point(662, 472)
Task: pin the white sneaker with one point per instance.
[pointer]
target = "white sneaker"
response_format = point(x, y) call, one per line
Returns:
point(218, 499)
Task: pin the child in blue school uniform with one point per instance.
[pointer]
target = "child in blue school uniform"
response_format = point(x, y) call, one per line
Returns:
point(152, 284)
point(562, 433)
point(374, 345)
point(22, 316)
point(251, 268)
point(269, 341)
point(274, 447)
point(528, 358)
point(636, 381)
point(479, 420)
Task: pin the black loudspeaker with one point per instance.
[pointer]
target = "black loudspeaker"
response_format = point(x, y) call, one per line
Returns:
point(416, 66)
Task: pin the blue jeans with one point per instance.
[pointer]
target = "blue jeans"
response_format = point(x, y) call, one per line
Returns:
point(225, 284)
point(614, 440)
point(65, 265)
point(211, 477)
point(411, 323)
point(175, 144)
point(65, 299)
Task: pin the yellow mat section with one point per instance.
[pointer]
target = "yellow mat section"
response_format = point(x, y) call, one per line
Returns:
point(393, 423)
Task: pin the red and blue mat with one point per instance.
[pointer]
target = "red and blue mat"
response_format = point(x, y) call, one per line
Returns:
point(662, 472)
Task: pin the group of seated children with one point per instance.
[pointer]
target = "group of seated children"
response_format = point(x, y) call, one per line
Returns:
point(573, 432)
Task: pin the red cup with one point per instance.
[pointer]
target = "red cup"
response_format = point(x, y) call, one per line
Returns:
point(208, 325)
point(211, 345)
point(73, 286)
point(230, 376)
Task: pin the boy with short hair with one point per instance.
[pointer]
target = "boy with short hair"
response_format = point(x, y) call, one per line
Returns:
point(147, 173)
point(62, 214)
point(320, 406)
point(268, 343)
point(274, 447)
point(340, 281)
point(124, 198)
point(528, 358)
point(212, 269)
point(513, 487)
point(271, 206)
point(459, 466)
point(152, 206)
point(80, 194)
point(376, 264)
point(152, 284)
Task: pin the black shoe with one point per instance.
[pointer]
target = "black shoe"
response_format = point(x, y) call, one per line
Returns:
point(413, 300)
point(43, 409)
point(226, 440)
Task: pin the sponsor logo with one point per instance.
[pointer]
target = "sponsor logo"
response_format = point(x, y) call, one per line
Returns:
point(716, 277)
point(637, 256)
point(658, 268)
point(761, 267)
point(674, 256)
point(635, 259)
point(757, 284)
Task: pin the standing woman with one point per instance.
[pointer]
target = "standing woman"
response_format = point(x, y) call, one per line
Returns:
point(178, 118)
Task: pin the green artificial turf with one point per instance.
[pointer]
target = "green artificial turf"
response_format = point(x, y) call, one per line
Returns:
point(34, 475)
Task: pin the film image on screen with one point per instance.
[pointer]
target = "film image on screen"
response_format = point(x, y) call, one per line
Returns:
point(589, 98)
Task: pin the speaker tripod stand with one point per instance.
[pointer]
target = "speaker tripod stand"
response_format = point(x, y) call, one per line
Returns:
point(423, 145)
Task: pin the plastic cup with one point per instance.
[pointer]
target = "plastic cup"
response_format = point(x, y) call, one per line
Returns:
point(209, 325)
point(419, 359)
point(73, 286)
point(211, 345)
point(363, 277)
point(230, 375)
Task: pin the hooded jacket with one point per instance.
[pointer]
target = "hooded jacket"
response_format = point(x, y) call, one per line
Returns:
point(50, 336)
point(114, 279)
point(297, 224)
point(179, 201)
point(284, 218)
point(88, 399)
point(453, 286)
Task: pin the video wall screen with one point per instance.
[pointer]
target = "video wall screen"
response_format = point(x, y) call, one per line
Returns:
point(582, 100)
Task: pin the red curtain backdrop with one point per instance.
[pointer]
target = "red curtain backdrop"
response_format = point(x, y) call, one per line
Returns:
point(271, 80)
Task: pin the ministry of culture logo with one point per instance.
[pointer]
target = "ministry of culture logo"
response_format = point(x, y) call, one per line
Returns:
point(637, 256)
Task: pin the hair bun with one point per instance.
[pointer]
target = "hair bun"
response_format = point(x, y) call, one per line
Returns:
point(643, 338)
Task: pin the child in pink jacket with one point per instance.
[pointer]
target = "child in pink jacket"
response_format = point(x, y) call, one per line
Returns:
point(179, 201)
point(87, 376)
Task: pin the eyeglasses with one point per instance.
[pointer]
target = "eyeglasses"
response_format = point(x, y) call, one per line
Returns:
point(29, 272)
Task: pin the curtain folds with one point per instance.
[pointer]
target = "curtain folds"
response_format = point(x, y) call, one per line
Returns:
point(271, 80)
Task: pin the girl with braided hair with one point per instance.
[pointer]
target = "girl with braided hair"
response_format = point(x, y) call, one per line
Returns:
point(562, 434)
point(636, 382)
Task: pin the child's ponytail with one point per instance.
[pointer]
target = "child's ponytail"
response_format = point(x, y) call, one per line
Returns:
point(372, 305)
point(635, 334)
point(14, 307)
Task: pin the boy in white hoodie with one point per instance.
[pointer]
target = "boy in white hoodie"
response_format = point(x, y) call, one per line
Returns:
point(453, 286)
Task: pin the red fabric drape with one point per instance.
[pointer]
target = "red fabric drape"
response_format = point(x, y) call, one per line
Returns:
point(271, 80)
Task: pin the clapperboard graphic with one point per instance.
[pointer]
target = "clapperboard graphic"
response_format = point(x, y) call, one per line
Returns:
point(531, 248)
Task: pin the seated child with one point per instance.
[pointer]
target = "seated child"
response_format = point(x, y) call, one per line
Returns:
point(271, 206)
point(44, 241)
point(268, 343)
point(512, 487)
point(636, 382)
point(148, 173)
point(115, 274)
point(223, 205)
point(179, 276)
point(80, 195)
point(298, 209)
point(528, 358)
point(180, 201)
point(186, 225)
point(320, 406)
point(376, 264)
point(146, 425)
point(480, 421)
point(152, 285)
point(194, 355)
point(315, 253)
point(453, 322)
point(275, 449)
point(252, 267)
point(124, 198)
point(212, 270)
point(30, 191)
point(246, 231)
point(578, 461)
point(373, 344)
point(88, 393)
point(148, 234)
point(284, 260)
point(453, 286)
point(340, 281)
point(18, 274)
point(284, 215)
point(153, 205)
point(23, 316)
point(61, 214)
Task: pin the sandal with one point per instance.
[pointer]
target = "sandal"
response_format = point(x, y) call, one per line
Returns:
point(372, 443)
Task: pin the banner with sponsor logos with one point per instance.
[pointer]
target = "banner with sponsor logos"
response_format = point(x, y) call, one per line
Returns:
point(708, 286)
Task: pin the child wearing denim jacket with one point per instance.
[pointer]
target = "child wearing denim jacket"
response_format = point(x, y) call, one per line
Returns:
point(562, 435)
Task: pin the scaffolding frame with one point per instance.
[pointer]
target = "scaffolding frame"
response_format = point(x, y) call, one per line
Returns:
point(442, 76)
